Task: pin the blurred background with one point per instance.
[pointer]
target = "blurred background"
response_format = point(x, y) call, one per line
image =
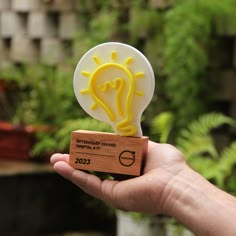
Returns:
point(191, 46)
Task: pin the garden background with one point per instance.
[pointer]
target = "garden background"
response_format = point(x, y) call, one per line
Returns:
point(191, 46)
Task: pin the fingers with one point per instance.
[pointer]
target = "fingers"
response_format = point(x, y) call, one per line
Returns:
point(162, 162)
point(159, 155)
point(113, 192)
point(62, 168)
point(59, 157)
point(89, 183)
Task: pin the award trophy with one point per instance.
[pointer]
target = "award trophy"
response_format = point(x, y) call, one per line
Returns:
point(113, 83)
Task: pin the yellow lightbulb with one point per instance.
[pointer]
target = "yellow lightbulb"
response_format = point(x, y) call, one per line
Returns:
point(112, 86)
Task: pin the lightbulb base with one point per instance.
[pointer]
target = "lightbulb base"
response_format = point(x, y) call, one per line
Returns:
point(107, 152)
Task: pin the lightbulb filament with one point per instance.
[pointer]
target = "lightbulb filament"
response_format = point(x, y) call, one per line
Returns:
point(125, 90)
point(119, 84)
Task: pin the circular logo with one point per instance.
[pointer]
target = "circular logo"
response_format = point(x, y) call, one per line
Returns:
point(127, 158)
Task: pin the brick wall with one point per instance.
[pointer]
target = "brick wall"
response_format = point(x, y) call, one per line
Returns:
point(41, 30)
point(37, 30)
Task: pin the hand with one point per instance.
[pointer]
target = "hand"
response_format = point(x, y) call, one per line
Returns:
point(167, 186)
point(146, 193)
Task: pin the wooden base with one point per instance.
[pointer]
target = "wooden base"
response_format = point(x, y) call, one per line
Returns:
point(107, 152)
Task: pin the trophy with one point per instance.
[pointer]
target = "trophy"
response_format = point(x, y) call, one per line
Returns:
point(113, 83)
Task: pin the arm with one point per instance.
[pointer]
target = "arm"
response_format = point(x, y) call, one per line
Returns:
point(199, 205)
point(168, 186)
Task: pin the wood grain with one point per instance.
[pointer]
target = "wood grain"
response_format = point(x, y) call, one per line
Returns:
point(107, 152)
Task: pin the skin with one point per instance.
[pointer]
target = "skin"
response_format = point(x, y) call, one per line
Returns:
point(168, 186)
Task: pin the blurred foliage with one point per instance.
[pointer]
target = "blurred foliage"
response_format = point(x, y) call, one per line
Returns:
point(61, 138)
point(176, 38)
point(196, 141)
point(188, 31)
point(161, 127)
point(46, 100)
point(46, 95)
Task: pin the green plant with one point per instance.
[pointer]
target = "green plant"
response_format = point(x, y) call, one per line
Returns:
point(9, 91)
point(47, 95)
point(46, 101)
point(188, 39)
point(161, 126)
point(177, 40)
point(60, 140)
point(197, 143)
point(97, 25)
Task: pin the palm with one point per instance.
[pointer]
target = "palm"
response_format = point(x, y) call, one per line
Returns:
point(163, 162)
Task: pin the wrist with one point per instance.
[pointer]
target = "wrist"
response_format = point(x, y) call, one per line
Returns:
point(179, 191)
point(196, 203)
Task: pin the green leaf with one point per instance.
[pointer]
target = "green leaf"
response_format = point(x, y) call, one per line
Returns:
point(162, 125)
point(228, 159)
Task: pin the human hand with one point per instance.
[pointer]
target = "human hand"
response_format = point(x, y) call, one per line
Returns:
point(145, 193)
point(167, 186)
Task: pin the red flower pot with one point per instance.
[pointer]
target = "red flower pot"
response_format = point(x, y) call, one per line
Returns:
point(15, 141)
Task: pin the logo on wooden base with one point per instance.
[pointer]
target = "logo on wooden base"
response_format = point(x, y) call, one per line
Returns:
point(107, 152)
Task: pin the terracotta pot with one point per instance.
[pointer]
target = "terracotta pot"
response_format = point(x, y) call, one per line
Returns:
point(15, 141)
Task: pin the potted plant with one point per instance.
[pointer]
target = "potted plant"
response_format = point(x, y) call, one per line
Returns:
point(44, 101)
point(16, 140)
point(47, 104)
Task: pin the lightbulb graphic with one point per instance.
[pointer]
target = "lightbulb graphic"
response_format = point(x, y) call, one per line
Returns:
point(114, 83)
